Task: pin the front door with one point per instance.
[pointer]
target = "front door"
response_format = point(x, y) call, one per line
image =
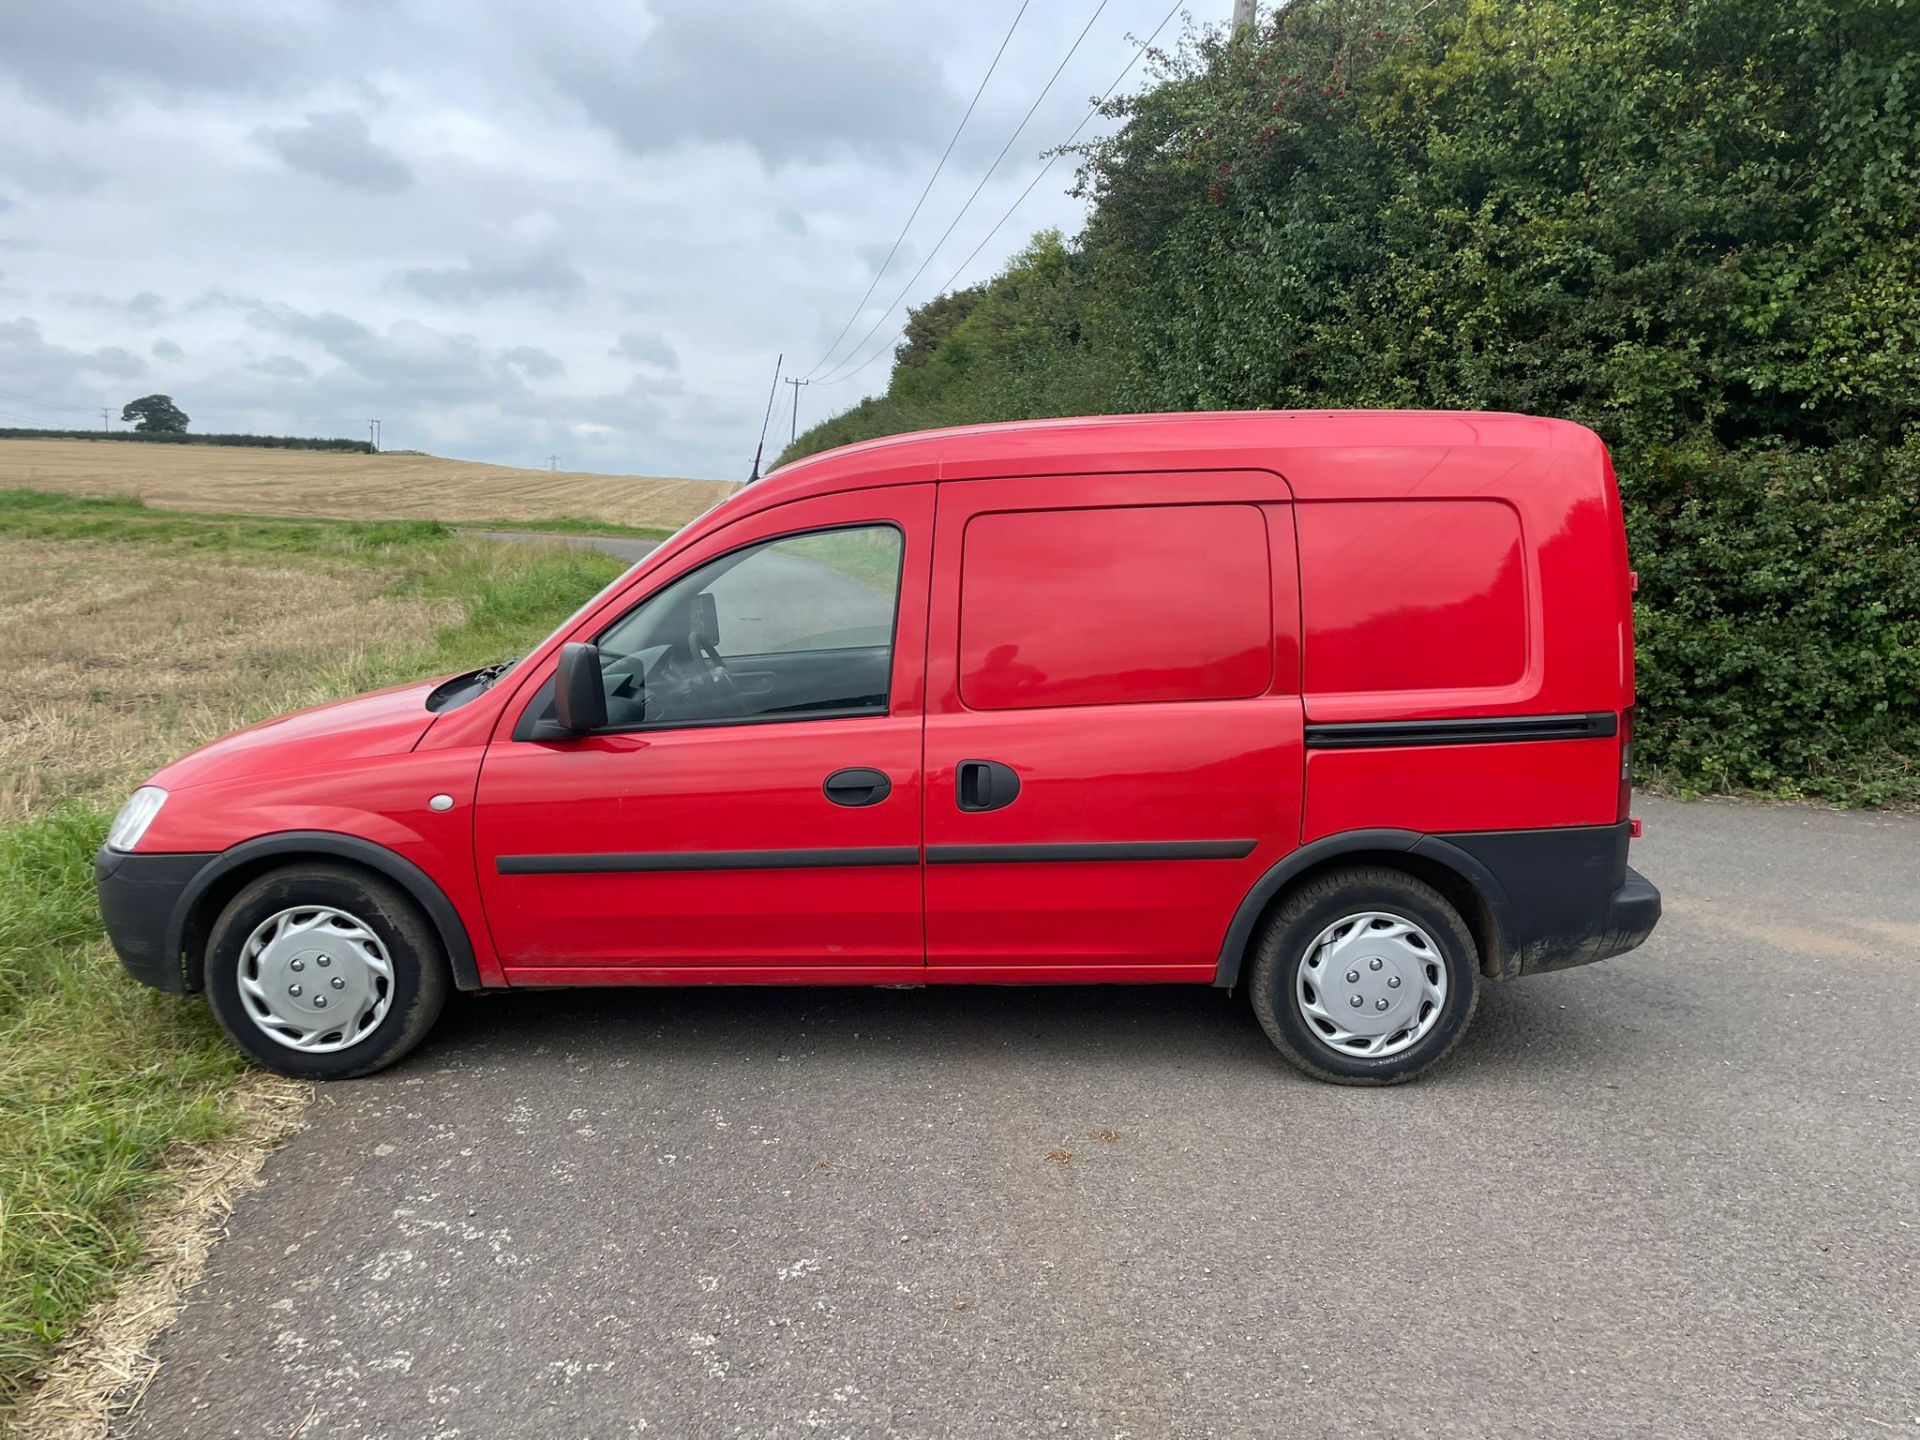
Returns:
point(753, 806)
point(1114, 748)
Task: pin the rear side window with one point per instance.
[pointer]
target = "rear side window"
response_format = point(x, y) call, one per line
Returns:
point(1411, 595)
point(1115, 606)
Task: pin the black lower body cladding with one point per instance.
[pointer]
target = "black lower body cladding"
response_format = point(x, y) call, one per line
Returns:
point(1571, 897)
point(138, 894)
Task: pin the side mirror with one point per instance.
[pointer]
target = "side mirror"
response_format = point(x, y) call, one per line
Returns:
point(579, 691)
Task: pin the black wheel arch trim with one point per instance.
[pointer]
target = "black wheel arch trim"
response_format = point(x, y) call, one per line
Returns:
point(1240, 933)
point(327, 844)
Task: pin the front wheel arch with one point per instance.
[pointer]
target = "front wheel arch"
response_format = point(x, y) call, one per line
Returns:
point(207, 895)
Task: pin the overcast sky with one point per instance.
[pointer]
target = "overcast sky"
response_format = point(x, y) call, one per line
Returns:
point(508, 230)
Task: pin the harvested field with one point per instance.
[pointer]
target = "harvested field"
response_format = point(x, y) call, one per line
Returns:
point(122, 666)
point(348, 486)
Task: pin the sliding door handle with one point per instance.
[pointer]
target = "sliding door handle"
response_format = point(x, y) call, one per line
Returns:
point(985, 785)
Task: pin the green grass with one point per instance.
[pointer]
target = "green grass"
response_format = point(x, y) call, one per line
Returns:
point(125, 517)
point(43, 515)
point(100, 1078)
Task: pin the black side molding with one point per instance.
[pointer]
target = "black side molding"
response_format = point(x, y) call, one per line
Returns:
point(614, 863)
point(1067, 853)
point(1473, 730)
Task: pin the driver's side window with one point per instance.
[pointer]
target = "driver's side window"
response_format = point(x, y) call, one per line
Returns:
point(795, 628)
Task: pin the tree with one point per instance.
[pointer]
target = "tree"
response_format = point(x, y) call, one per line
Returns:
point(157, 414)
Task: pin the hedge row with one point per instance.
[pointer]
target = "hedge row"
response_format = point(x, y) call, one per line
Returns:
point(149, 437)
point(1693, 225)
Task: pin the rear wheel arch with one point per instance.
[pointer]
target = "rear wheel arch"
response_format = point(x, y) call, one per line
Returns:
point(1466, 884)
point(232, 870)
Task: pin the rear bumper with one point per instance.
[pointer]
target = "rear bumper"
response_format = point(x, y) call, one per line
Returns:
point(138, 896)
point(1570, 896)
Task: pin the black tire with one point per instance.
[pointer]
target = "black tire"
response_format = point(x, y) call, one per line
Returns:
point(1324, 901)
point(419, 963)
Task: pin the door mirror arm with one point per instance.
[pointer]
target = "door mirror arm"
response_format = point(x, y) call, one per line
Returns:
point(579, 690)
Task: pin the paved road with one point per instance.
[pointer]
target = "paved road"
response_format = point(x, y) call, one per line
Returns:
point(1676, 1194)
point(621, 548)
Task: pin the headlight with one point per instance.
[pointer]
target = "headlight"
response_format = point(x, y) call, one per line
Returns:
point(135, 816)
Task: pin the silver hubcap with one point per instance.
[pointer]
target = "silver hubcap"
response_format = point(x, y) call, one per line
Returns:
point(315, 979)
point(1372, 984)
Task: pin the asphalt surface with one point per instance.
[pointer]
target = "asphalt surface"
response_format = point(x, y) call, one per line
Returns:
point(620, 548)
point(1674, 1194)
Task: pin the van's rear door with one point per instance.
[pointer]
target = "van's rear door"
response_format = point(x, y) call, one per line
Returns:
point(1113, 744)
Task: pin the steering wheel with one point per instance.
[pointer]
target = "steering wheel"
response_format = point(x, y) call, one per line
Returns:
point(725, 689)
point(691, 682)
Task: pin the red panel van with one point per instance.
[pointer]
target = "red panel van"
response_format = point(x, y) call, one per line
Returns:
point(1334, 709)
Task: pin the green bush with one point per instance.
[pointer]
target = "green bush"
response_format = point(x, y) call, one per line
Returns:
point(1693, 226)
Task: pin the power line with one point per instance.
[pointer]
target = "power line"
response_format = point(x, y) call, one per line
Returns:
point(1038, 175)
point(1072, 50)
point(48, 404)
point(926, 191)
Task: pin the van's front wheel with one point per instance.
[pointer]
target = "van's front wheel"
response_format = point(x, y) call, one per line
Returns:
point(324, 972)
point(1365, 976)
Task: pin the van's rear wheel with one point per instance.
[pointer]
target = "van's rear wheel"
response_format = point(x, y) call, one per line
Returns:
point(1365, 976)
point(324, 972)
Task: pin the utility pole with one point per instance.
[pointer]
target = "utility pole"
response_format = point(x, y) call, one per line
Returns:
point(772, 390)
point(373, 435)
point(794, 430)
point(553, 462)
point(1242, 17)
point(103, 419)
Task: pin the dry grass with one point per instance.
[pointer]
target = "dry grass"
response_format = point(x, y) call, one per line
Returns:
point(347, 486)
point(105, 1365)
point(119, 659)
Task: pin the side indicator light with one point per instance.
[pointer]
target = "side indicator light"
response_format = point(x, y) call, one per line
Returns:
point(1633, 582)
point(1633, 828)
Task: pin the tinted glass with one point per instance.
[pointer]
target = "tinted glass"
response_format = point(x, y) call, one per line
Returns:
point(796, 627)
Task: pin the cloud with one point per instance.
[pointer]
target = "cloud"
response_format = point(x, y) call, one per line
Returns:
point(112, 360)
point(7, 205)
point(282, 366)
point(336, 145)
point(533, 361)
point(86, 58)
point(875, 255)
point(28, 362)
point(645, 347)
point(790, 80)
point(704, 177)
point(144, 310)
point(544, 273)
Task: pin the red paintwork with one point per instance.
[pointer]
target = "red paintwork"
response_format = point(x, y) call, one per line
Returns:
point(1412, 595)
point(1201, 770)
point(1170, 636)
point(732, 787)
point(1115, 606)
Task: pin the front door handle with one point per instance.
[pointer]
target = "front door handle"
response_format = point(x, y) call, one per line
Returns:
point(858, 786)
point(985, 785)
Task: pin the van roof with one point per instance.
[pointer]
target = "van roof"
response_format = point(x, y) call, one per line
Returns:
point(1227, 439)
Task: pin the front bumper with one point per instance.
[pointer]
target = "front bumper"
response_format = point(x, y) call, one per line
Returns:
point(139, 895)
